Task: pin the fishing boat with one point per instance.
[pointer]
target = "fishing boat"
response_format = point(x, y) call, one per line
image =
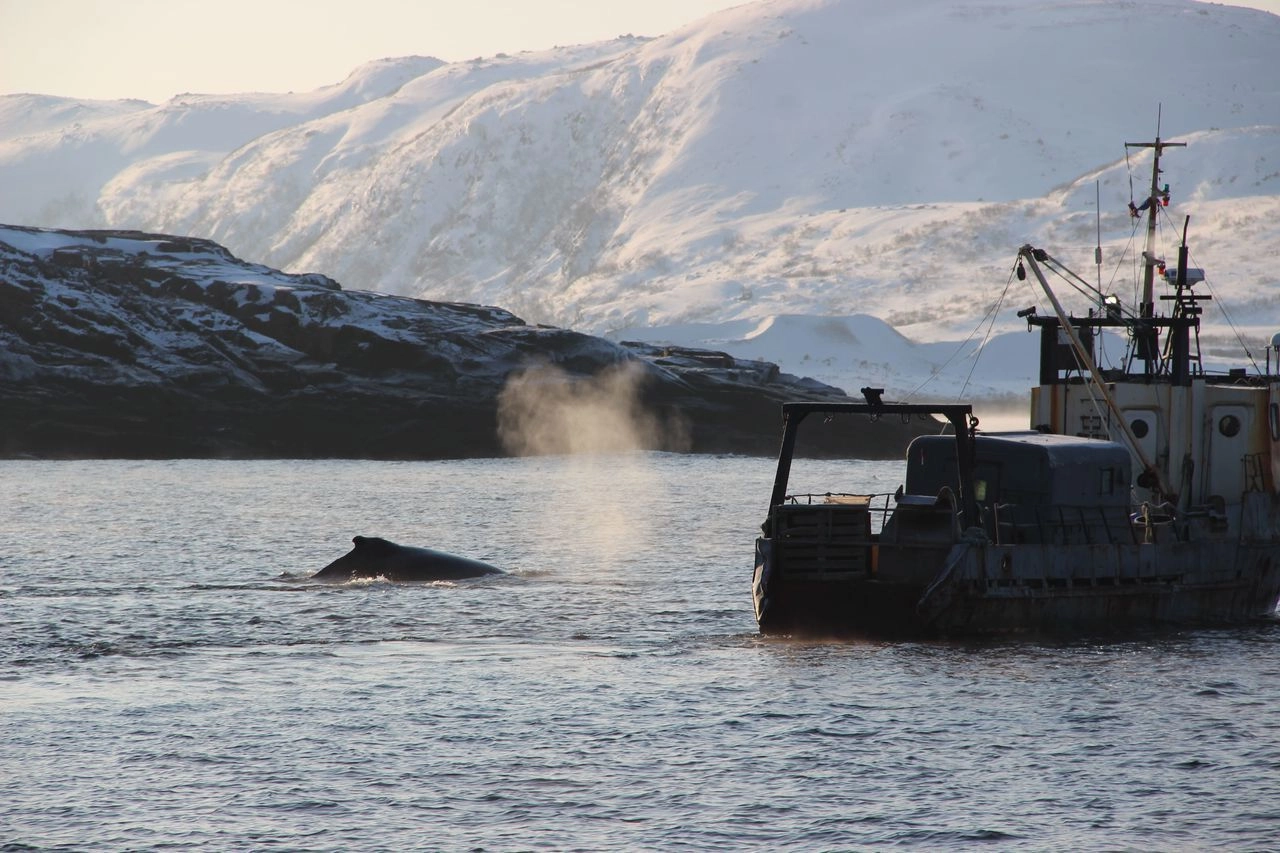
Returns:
point(1142, 496)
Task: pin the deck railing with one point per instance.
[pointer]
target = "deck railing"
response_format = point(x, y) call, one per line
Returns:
point(1007, 524)
point(878, 506)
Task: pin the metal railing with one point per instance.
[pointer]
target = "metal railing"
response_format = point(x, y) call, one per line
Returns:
point(877, 506)
point(1009, 524)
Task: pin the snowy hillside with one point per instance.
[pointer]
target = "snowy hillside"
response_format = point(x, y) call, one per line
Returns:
point(765, 181)
point(58, 156)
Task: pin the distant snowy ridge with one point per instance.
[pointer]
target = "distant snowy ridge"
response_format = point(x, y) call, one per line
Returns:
point(58, 156)
point(785, 158)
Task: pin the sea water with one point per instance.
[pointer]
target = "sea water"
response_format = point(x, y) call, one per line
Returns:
point(169, 678)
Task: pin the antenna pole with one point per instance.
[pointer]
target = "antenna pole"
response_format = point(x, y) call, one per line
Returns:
point(1097, 249)
point(1148, 348)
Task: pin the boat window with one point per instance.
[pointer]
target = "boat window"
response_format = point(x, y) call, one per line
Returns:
point(1274, 416)
point(980, 490)
point(1140, 428)
point(1107, 485)
point(1229, 425)
point(1091, 427)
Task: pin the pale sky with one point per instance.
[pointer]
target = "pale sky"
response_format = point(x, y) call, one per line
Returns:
point(154, 49)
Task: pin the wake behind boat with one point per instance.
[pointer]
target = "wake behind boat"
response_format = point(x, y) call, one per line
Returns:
point(1144, 496)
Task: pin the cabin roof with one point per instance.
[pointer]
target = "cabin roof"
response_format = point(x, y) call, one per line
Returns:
point(1058, 450)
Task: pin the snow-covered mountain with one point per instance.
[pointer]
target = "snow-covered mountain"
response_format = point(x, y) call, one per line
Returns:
point(778, 180)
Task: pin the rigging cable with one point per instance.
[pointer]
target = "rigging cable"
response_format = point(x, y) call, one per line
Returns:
point(1226, 315)
point(1236, 331)
point(989, 315)
point(1115, 273)
point(993, 313)
point(1073, 280)
point(1062, 271)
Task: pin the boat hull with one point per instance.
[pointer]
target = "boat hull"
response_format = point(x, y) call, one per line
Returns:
point(986, 589)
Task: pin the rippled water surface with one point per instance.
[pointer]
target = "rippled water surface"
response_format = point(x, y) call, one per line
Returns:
point(169, 678)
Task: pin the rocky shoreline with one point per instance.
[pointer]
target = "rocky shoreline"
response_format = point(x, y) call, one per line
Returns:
point(134, 345)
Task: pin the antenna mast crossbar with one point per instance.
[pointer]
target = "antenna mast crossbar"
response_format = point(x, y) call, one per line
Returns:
point(1146, 307)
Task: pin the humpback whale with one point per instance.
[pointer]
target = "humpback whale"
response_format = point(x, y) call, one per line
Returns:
point(373, 557)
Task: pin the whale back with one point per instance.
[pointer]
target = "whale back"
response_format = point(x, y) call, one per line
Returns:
point(374, 557)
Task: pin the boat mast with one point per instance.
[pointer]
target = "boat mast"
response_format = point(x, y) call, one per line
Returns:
point(1097, 247)
point(1148, 348)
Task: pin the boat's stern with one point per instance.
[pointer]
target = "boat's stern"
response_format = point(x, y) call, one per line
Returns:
point(760, 580)
point(826, 571)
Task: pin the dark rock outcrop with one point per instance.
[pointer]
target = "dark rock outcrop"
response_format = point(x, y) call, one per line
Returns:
point(126, 344)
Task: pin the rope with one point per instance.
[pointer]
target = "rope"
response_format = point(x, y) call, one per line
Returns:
point(1088, 386)
point(1222, 306)
point(991, 314)
point(995, 309)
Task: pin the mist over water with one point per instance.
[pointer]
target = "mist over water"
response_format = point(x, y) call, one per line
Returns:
point(598, 428)
point(543, 410)
point(162, 685)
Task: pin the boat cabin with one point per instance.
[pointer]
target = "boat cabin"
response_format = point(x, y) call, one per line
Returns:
point(1030, 486)
point(1025, 468)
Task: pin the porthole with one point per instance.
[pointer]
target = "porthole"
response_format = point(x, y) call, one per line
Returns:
point(1229, 425)
point(1140, 428)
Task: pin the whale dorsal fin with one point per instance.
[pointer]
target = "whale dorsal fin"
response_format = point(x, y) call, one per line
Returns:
point(372, 544)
